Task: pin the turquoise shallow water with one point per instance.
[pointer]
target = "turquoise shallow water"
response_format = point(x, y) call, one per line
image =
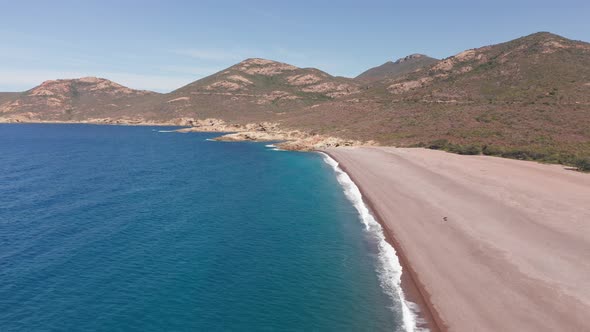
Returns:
point(109, 228)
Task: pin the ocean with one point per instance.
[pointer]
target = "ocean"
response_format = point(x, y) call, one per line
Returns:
point(117, 228)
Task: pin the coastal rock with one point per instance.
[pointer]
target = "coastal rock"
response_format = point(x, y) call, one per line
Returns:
point(207, 125)
point(268, 131)
point(319, 142)
point(251, 136)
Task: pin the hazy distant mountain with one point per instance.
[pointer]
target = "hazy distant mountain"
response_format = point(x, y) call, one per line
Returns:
point(402, 66)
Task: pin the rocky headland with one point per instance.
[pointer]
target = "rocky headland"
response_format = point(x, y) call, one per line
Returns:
point(295, 140)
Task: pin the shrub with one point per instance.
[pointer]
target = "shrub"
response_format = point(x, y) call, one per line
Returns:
point(492, 150)
point(439, 144)
point(583, 164)
point(464, 149)
point(542, 154)
point(516, 154)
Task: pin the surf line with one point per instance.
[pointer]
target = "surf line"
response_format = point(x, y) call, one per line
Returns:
point(389, 269)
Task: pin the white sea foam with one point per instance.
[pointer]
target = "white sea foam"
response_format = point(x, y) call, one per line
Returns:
point(388, 267)
point(274, 147)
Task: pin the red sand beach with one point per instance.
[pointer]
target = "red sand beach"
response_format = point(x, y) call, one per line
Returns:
point(490, 244)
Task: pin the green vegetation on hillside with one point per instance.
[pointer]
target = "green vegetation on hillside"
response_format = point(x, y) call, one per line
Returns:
point(542, 154)
point(528, 98)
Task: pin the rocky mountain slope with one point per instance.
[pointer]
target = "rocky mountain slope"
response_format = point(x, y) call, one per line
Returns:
point(528, 98)
point(539, 68)
point(395, 69)
point(72, 100)
point(6, 96)
point(256, 89)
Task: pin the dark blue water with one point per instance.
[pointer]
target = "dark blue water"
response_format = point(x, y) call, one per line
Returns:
point(108, 228)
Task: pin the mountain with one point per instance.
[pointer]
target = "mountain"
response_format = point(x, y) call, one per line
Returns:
point(256, 89)
point(72, 100)
point(6, 96)
point(528, 98)
point(538, 68)
point(395, 69)
point(252, 90)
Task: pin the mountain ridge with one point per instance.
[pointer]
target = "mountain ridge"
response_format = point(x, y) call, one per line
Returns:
point(528, 98)
point(401, 66)
point(71, 99)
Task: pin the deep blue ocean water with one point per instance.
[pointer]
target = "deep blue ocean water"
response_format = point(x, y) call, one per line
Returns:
point(112, 228)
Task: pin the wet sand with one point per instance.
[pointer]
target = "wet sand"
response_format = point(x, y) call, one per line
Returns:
point(489, 244)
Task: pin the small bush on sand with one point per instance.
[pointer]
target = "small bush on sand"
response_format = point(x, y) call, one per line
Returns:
point(469, 149)
point(439, 144)
point(583, 164)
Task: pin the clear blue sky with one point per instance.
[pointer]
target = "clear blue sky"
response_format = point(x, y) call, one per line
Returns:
point(162, 45)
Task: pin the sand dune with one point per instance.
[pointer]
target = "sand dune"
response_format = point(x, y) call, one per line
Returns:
point(495, 244)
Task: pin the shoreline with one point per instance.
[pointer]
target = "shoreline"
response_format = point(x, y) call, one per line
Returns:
point(490, 244)
point(288, 139)
point(510, 253)
point(411, 285)
point(100, 123)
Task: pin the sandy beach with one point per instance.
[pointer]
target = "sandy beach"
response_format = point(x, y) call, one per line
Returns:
point(490, 244)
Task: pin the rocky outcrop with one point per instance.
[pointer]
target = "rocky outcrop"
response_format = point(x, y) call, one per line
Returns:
point(270, 132)
point(257, 66)
point(291, 140)
point(207, 125)
point(392, 70)
point(319, 142)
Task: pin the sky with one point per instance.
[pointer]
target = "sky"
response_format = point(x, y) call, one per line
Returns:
point(163, 45)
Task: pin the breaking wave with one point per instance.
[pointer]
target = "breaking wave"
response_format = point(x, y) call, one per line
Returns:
point(273, 147)
point(389, 269)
